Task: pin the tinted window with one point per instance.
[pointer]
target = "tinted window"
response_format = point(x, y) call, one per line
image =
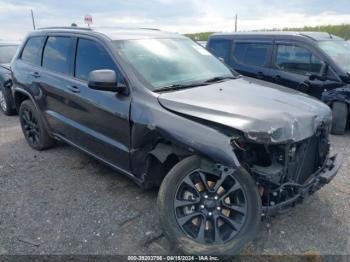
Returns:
point(251, 53)
point(57, 54)
point(6, 53)
point(32, 50)
point(221, 48)
point(297, 59)
point(91, 56)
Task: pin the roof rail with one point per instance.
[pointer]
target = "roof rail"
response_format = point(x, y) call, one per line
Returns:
point(147, 28)
point(66, 27)
point(308, 36)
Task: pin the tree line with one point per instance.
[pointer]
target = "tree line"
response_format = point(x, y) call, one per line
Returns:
point(338, 30)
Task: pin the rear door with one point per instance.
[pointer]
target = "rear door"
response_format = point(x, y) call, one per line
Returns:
point(27, 66)
point(293, 65)
point(252, 58)
point(55, 74)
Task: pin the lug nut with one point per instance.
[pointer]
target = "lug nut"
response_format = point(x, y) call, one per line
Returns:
point(210, 214)
point(202, 206)
point(206, 197)
point(216, 197)
point(218, 208)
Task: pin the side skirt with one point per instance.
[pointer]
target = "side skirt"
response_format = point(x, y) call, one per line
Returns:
point(135, 179)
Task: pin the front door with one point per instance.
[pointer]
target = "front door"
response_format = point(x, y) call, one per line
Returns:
point(294, 64)
point(101, 118)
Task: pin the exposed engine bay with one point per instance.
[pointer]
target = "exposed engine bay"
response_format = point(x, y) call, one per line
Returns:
point(285, 172)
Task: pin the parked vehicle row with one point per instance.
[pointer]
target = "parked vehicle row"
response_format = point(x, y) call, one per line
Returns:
point(317, 64)
point(225, 150)
point(7, 51)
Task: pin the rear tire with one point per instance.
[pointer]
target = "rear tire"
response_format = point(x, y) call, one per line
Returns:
point(193, 243)
point(33, 127)
point(6, 104)
point(340, 116)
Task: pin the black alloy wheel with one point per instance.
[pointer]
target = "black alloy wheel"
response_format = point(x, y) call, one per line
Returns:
point(6, 104)
point(30, 126)
point(33, 127)
point(210, 208)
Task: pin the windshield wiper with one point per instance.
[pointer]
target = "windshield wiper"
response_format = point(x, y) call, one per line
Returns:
point(183, 86)
point(177, 87)
point(219, 79)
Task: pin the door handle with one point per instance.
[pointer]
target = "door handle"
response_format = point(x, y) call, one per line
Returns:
point(35, 74)
point(74, 89)
point(260, 75)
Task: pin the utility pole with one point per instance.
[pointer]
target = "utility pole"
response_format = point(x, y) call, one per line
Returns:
point(236, 20)
point(31, 11)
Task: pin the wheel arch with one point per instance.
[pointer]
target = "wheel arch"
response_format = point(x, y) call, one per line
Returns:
point(20, 95)
point(165, 153)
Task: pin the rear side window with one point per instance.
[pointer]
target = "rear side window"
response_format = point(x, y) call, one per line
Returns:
point(221, 48)
point(32, 50)
point(256, 54)
point(297, 59)
point(58, 53)
point(91, 56)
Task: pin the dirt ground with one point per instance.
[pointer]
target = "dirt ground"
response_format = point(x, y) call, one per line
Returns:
point(63, 202)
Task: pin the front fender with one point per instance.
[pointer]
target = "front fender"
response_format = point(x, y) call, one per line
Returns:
point(341, 94)
point(153, 123)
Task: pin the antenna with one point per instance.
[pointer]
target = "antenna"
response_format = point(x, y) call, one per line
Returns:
point(236, 21)
point(33, 20)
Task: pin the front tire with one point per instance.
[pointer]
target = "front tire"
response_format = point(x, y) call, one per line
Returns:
point(340, 116)
point(33, 127)
point(6, 104)
point(207, 209)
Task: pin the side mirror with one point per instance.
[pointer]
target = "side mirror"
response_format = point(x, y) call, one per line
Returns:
point(322, 76)
point(105, 80)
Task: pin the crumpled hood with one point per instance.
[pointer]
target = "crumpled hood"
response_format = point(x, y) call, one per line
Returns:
point(265, 112)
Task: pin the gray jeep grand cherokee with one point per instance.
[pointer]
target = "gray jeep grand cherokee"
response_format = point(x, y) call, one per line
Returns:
point(225, 150)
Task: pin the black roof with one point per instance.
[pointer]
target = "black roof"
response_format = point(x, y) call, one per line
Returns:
point(316, 36)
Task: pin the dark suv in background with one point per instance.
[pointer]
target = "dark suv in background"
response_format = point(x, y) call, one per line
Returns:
point(314, 63)
point(162, 110)
point(7, 51)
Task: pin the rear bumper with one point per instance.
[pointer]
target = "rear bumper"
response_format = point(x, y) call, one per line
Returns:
point(313, 184)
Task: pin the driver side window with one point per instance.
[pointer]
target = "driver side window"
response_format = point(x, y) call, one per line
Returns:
point(297, 59)
point(92, 56)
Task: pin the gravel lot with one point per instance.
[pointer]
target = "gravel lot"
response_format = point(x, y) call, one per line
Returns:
point(63, 202)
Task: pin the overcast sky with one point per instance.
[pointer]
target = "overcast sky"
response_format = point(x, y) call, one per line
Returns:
point(173, 15)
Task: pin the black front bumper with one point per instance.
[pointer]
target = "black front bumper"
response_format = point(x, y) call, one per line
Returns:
point(313, 184)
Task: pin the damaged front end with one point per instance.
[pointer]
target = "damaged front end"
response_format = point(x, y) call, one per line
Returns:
point(287, 173)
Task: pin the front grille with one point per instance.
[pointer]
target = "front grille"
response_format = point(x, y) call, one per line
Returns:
point(310, 156)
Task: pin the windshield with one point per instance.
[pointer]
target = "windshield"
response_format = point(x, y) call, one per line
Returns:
point(339, 51)
point(6, 53)
point(168, 62)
